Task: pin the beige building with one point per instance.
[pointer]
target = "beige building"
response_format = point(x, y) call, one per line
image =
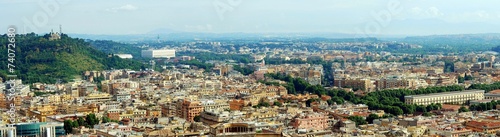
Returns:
point(214, 104)
point(98, 97)
point(363, 84)
point(456, 97)
point(395, 83)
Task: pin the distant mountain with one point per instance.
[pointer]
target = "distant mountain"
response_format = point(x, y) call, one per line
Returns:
point(39, 59)
point(163, 31)
point(113, 47)
point(457, 42)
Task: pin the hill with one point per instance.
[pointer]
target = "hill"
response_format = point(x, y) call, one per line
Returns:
point(39, 59)
point(456, 43)
point(112, 47)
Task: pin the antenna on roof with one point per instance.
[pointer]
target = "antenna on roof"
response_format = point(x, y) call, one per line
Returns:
point(158, 38)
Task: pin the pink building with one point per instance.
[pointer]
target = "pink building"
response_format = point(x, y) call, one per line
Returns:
point(309, 121)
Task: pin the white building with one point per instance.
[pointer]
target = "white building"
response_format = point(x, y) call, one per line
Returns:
point(456, 97)
point(125, 56)
point(8, 131)
point(49, 129)
point(158, 53)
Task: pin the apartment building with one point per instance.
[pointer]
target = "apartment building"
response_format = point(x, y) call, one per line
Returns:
point(214, 104)
point(363, 84)
point(188, 109)
point(395, 83)
point(484, 126)
point(98, 97)
point(316, 121)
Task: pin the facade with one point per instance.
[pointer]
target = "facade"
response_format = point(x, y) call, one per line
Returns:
point(394, 83)
point(8, 131)
point(158, 53)
point(113, 114)
point(237, 104)
point(216, 117)
point(492, 96)
point(125, 56)
point(98, 97)
point(316, 121)
point(456, 97)
point(35, 129)
point(484, 126)
point(233, 129)
point(214, 104)
point(5, 103)
point(363, 84)
point(189, 109)
point(169, 109)
point(52, 130)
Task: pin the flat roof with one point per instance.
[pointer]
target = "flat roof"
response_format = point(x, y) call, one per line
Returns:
point(445, 93)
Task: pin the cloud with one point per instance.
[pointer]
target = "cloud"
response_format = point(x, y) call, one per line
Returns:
point(474, 16)
point(127, 7)
point(423, 13)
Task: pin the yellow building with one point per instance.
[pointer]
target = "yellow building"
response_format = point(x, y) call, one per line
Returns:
point(41, 112)
point(133, 113)
point(98, 97)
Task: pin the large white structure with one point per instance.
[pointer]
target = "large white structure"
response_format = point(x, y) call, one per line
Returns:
point(125, 56)
point(456, 97)
point(158, 53)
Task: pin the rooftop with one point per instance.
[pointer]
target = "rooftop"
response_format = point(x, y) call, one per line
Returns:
point(446, 93)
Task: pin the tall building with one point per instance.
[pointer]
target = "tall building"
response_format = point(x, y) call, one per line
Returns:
point(8, 131)
point(52, 130)
point(158, 53)
point(189, 109)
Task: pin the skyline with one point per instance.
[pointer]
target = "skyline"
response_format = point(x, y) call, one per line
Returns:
point(361, 18)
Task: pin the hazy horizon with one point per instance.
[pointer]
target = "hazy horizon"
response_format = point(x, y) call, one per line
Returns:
point(361, 18)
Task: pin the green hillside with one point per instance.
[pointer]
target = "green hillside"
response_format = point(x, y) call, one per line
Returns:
point(109, 46)
point(39, 59)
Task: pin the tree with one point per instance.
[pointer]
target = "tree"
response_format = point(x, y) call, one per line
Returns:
point(81, 121)
point(277, 103)
point(197, 118)
point(468, 77)
point(449, 66)
point(264, 104)
point(68, 126)
point(463, 109)
point(91, 120)
point(358, 120)
point(106, 120)
point(371, 117)
point(427, 114)
point(75, 124)
point(461, 79)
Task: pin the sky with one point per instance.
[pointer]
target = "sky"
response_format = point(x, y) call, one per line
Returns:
point(360, 17)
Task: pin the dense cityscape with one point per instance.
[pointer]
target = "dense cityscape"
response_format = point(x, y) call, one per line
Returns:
point(410, 69)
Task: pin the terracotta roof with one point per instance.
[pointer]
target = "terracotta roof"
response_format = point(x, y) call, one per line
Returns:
point(484, 124)
point(495, 91)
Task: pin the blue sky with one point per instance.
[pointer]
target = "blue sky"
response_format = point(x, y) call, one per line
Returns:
point(364, 17)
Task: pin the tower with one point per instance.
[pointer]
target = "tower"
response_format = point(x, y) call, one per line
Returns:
point(60, 29)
